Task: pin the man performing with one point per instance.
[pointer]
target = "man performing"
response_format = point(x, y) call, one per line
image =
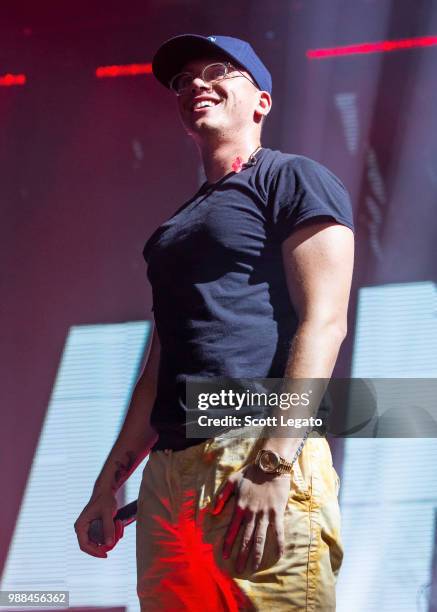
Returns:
point(251, 279)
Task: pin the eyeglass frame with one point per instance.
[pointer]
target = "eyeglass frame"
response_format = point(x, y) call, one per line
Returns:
point(227, 66)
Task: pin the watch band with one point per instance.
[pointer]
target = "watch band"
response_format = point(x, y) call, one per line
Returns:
point(284, 467)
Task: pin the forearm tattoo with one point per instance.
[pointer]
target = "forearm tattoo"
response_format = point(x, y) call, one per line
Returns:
point(123, 469)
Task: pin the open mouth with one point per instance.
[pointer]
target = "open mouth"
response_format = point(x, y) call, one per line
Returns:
point(204, 105)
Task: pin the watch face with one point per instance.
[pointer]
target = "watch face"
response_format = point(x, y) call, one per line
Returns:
point(269, 461)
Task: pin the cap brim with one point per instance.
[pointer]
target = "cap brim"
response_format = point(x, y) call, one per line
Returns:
point(175, 52)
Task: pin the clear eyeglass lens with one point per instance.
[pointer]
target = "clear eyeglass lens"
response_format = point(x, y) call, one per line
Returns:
point(213, 72)
point(181, 82)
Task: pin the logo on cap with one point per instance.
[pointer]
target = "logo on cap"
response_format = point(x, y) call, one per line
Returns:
point(212, 38)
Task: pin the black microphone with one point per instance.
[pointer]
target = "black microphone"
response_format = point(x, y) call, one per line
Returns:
point(126, 514)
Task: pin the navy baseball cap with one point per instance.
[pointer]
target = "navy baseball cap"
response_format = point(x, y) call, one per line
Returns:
point(175, 52)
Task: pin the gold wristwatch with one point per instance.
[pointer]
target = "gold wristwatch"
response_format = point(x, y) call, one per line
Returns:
point(271, 462)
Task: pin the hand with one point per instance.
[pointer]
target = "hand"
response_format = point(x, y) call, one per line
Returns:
point(102, 505)
point(261, 500)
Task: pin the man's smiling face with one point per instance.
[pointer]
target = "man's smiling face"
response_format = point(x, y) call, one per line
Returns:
point(223, 105)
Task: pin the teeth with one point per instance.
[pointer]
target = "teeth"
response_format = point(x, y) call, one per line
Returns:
point(203, 103)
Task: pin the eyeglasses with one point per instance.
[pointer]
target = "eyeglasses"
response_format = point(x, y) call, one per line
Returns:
point(182, 81)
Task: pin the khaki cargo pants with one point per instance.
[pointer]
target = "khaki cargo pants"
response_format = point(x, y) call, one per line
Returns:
point(179, 542)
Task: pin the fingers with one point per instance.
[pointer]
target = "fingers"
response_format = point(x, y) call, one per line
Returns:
point(223, 497)
point(259, 541)
point(90, 547)
point(254, 539)
point(277, 527)
point(102, 509)
point(81, 527)
point(246, 540)
point(232, 531)
point(108, 530)
point(119, 530)
point(118, 534)
point(255, 503)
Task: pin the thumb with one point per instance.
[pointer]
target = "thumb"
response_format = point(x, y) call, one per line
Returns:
point(223, 497)
point(119, 529)
point(108, 528)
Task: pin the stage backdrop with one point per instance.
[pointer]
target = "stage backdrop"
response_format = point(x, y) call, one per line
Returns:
point(90, 166)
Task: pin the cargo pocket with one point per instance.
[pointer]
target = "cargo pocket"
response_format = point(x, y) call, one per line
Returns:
point(300, 486)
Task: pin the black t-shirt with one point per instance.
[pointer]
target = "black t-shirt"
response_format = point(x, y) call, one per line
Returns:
point(220, 298)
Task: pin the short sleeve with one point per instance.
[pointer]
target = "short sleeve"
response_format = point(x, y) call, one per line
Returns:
point(304, 188)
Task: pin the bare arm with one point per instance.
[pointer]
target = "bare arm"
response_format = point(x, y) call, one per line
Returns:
point(136, 436)
point(133, 443)
point(318, 262)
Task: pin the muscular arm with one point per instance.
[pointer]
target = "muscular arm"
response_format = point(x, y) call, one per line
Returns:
point(318, 262)
point(136, 436)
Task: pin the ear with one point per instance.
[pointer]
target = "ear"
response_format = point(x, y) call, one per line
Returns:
point(264, 104)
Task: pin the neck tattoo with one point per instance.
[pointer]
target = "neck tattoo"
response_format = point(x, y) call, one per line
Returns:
point(238, 162)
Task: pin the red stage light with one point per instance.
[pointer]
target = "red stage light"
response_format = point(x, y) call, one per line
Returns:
point(376, 47)
point(127, 70)
point(7, 80)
